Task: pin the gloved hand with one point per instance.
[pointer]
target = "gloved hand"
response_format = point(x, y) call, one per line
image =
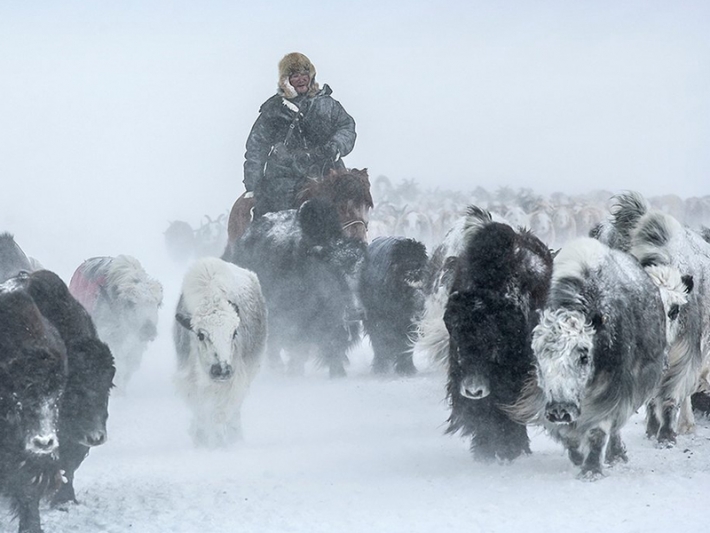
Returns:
point(302, 161)
point(327, 152)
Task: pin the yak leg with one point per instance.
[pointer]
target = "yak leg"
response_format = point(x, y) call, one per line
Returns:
point(666, 434)
point(652, 422)
point(381, 349)
point(273, 355)
point(686, 419)
point(572, 446)
point(332, 353)
point(71, 456)
point(403, 364)
point(26, 502)
point(615, 450)
point(592, 467)
point(512, 438)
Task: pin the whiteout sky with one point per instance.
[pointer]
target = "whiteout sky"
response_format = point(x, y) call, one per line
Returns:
point(116, 118)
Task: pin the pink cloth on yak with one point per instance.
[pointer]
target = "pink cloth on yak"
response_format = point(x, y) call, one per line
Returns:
point(85, 286)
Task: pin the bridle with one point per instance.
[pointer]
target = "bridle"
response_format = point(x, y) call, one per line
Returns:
point(354, 222)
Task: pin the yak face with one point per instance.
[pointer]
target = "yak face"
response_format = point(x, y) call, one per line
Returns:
point(30, 391)
point(215, 331)
point(137, 303)
point(411, 260)
point(487, 338)
point(563, 344)
point(346, 260)
point(674, 289)
point(84, 406)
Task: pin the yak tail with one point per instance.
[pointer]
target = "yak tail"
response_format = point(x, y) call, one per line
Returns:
point(530, 405)
point(627, 210)
point(476, 218)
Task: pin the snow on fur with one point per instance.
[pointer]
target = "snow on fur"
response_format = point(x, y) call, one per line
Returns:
point(220, 336)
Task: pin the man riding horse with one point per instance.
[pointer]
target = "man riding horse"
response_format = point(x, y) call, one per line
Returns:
point(301, 132)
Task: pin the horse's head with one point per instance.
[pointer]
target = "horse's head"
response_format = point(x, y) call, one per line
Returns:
point(349, 191)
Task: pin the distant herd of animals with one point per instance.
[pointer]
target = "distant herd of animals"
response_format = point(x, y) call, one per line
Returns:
point(574, 336)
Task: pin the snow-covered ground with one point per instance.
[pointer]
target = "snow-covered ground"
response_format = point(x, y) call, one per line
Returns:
point(361, 454)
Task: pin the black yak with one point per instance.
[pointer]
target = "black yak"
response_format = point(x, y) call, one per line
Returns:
point(308, 270)
point(501, 281)
point(83, 411)
point(33, 373)
point(391, 291)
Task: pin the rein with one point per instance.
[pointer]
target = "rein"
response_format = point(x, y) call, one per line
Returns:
point(354, 222)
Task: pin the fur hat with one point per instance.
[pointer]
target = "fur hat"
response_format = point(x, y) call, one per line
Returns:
point(291, 64)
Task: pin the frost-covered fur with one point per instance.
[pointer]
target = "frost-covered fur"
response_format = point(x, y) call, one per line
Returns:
point(391, 293)
point(500, 284)
point(309, 271)
point(220, 337)
point(659, 239)
point(33, 373)
point(432, 339)
point(600, 350)
point(123, 301)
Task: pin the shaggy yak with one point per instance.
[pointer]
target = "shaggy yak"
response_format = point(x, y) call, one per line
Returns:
point(600, 350)
point(392, 295)
point(83, 410)
point(33, 372)
point(501, 282)
point(659, 241)
point(432, 339)
point(123, 302)
point(220, 337)
point(309, 271)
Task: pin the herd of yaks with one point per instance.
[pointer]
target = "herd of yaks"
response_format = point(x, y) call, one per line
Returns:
point(575, 340)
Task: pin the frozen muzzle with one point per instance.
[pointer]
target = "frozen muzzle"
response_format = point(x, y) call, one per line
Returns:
point(474, 387)
point(561, 412)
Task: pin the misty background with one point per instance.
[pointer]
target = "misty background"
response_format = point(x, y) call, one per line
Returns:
point(117, 118)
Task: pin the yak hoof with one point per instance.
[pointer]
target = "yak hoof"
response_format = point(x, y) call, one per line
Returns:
point(337, 371)
point(593, 474)
point(405, 369)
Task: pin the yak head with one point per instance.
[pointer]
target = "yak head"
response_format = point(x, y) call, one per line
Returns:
point(134, 297)
point(215, 329)
point(563, 344)
point(487, 345)
point(84, 405)
point(674, 289)
point(30, 391)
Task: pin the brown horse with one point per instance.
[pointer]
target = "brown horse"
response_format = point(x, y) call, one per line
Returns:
point(347, 189)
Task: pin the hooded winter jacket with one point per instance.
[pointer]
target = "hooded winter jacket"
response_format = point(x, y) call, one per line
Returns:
point(292, 139)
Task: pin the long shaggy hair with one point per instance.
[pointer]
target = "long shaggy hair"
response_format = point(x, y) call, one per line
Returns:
point(432, 337)
point(82, 422)
point(660, 240)
point(599, 351)
point(309, 272)
point(220, 338)
point(501, 281)
point(392, 296)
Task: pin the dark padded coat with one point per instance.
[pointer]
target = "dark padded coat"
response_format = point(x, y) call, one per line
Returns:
point(293, 139)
